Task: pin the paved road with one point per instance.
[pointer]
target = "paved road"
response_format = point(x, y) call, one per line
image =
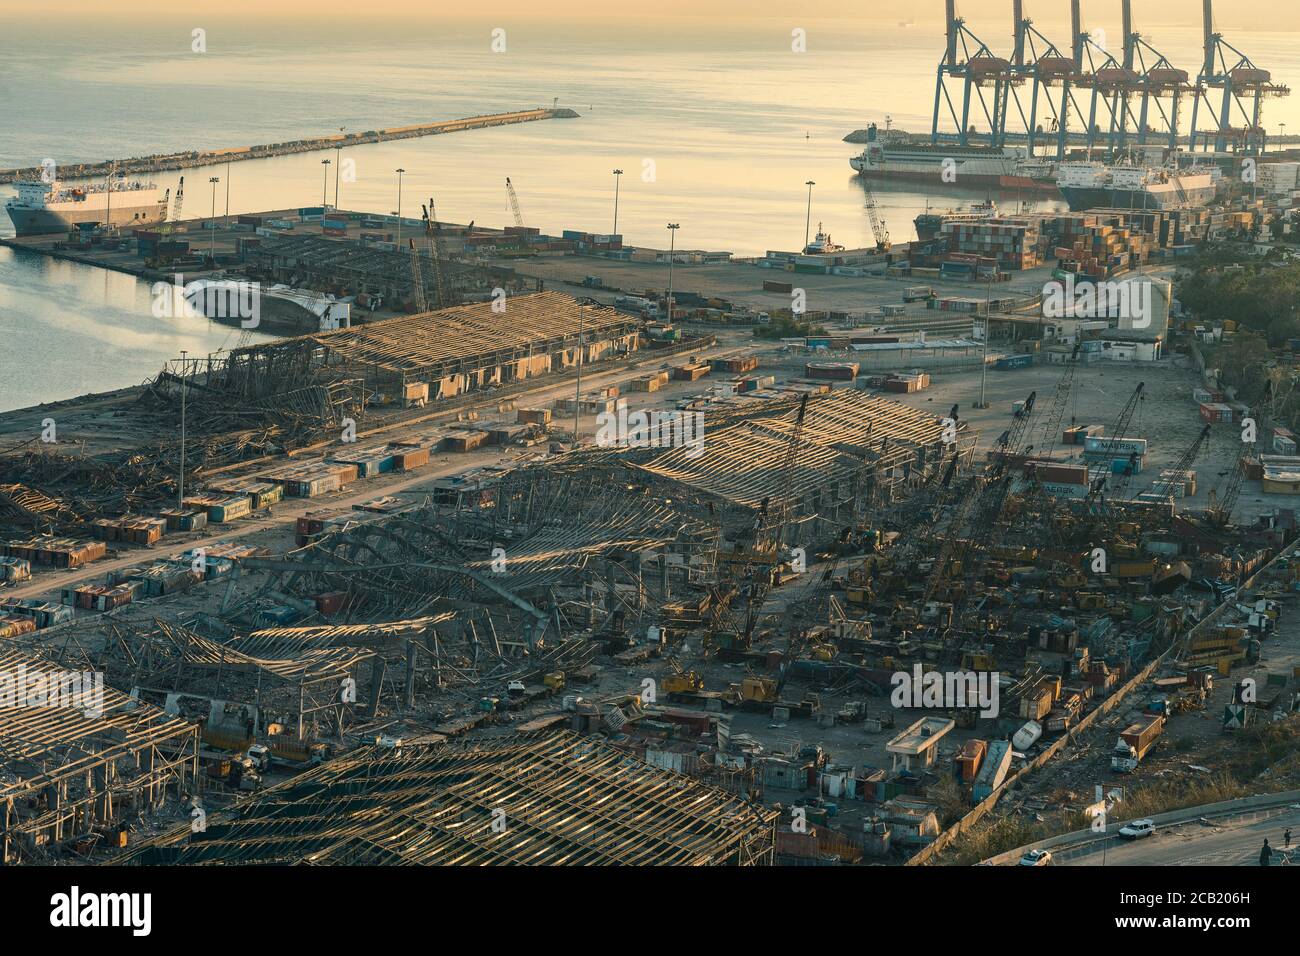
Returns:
point(1229, 842)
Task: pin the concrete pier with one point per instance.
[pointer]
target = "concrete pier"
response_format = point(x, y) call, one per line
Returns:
point(192, 158)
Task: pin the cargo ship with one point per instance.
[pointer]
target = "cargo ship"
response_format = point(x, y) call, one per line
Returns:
point(42, 208)
point(949, 164)
point(1093, 185)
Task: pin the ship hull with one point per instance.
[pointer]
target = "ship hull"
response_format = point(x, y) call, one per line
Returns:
point(934, 177)
point(1082, 198)
point(42, 222)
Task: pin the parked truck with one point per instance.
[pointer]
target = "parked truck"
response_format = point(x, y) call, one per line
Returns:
point(1135, 742)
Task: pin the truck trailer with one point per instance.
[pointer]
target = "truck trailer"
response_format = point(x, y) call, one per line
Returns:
point(1135, 741)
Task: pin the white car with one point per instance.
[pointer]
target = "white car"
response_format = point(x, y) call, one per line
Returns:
point(1036, 858)
point(1137, 829)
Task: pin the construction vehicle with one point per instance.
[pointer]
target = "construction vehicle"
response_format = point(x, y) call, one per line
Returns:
point(437, 252)
point(877, 224)
point(757, 572)
point(854, 712)
point(554, 681)
point(514, 204)
point(1135, 742)
point(1164, 488)
point(681, 681)
point(1221, 503)
point(417, 280)
point(758, 692)
point(978, 661)
point(1119, 485)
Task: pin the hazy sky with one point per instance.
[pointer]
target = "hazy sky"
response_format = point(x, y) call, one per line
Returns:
point(1229, 14)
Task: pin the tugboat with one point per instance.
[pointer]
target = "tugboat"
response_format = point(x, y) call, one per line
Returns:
point(822, 244)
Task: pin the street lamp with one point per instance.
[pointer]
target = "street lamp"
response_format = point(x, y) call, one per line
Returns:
point(988, 332)
point(618, 173)
point(180, 500)
point(672, 247)
point(1281, 140)
point(338, 156)
point(577, 388)
point(399, 207)
point(227, 222)
point(324, 186)
point(212, 219)
point(807, 223)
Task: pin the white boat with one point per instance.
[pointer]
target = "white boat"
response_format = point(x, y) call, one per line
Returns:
point(822, 244)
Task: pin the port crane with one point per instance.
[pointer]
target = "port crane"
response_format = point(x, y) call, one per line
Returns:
point(176, 209)
point(437, 251)
point(1060, 401)
point(1221, 505)
point(981, 511)
point(417, 280)
point(877, 224)
point(1096, 491)
point(760, 586)
point(757, 586)
point(1164, 487)
point(514, 203)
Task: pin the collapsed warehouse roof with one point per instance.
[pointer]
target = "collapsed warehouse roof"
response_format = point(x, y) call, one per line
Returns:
point(453, 349)
point(78, 755)
point(844, 433)
point(561, 799)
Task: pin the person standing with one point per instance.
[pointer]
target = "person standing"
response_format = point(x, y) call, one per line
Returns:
point(1286, 835)
point(1265, 853)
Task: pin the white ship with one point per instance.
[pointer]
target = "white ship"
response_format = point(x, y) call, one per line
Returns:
point(41, 208)
point(1093, 185)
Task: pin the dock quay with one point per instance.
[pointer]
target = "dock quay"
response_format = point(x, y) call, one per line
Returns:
point(191, 158)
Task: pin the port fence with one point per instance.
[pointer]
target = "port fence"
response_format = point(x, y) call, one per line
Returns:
point(1175, 650)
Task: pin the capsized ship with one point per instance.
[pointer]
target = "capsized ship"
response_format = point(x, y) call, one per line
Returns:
point(1092, 185)
point(42, 208)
